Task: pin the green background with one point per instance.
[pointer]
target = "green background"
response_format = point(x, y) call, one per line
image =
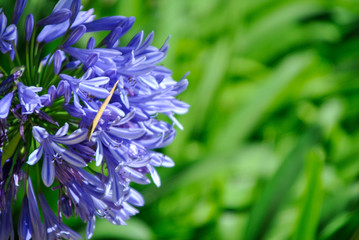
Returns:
point(270, 146)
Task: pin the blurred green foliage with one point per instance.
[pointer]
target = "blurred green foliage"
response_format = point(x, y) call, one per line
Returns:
point(270, 148)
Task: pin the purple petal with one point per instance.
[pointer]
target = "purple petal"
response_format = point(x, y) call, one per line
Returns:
point(76, 137)
point(6, 226)
point(63, 130)
point(68, 156)
point(5, 46)
point(108, 23)
point(5, 104)
point(36, 155)
point(55, 228)
point(7, 83)
point(64, 89)
point(57, 61)
point(87, 74)
point(29, 26)
point(175, 121)
point(127, 133)
point(147, 42)
point(3, 22)
point(10, 33)
point(164, 47)
point(74, 111)
point(91, 43)
point(18, 9)
point(51, 32)
point(75, 9)
point(167, 162)
point(84, 17)
point(135, 198)
point(136, 40)
point(57, 17)
point(134, 176)
point(95, 91)
point(127, 118)
point(75, 35)
point(48, 170)
point(90, 227)
point(99, 153)
point(25, 227)
point(117, 190)
point(34, 212)
point(149, 81)
point(115, 110)
point(112, 37)
point(156, 179)
point(98, 81)
point(77, 101)
point(91, 60)
point(63, 4)
point(65, 205)
point(154, 57)
point(39, 133)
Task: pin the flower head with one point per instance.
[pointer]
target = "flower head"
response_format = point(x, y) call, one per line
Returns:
point(77, 112)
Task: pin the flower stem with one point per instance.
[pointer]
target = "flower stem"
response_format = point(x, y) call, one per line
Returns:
point(43, 73)
point(28, 74)
point(3, 70)
point(12, 65)
point(16, 54)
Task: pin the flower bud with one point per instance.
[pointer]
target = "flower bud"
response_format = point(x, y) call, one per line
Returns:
point(29, 26)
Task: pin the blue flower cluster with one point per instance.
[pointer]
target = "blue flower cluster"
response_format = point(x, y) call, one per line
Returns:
point(88, 116)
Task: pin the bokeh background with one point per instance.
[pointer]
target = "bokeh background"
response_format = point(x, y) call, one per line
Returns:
point(270, 148)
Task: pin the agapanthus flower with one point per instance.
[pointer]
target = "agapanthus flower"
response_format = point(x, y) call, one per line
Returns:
point(87, 117)
point(8, 34)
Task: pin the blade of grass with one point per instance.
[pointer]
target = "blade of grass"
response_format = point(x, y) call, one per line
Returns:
point(313, 198)
point(214, 71)
point(279, 186)
point(242, 122)
point(335, 225)
point(338, 203)
point(211, 165)
point(213, 76)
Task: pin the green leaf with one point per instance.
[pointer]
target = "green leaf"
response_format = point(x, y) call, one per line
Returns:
point(244, 120)
point(335, 205)
point(201, 102)
point(337, 223)
point(278, 187)
point(212, 165)
point(312, 199)
point(10, 148)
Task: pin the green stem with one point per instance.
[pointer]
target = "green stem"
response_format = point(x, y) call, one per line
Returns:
point(32, 44)
point(16, 54)
point(43, 73)
point(12, 65)
point(48, 74)
point(3, 70)
point(38, 51)
point(28, 74)
point(53, 80)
